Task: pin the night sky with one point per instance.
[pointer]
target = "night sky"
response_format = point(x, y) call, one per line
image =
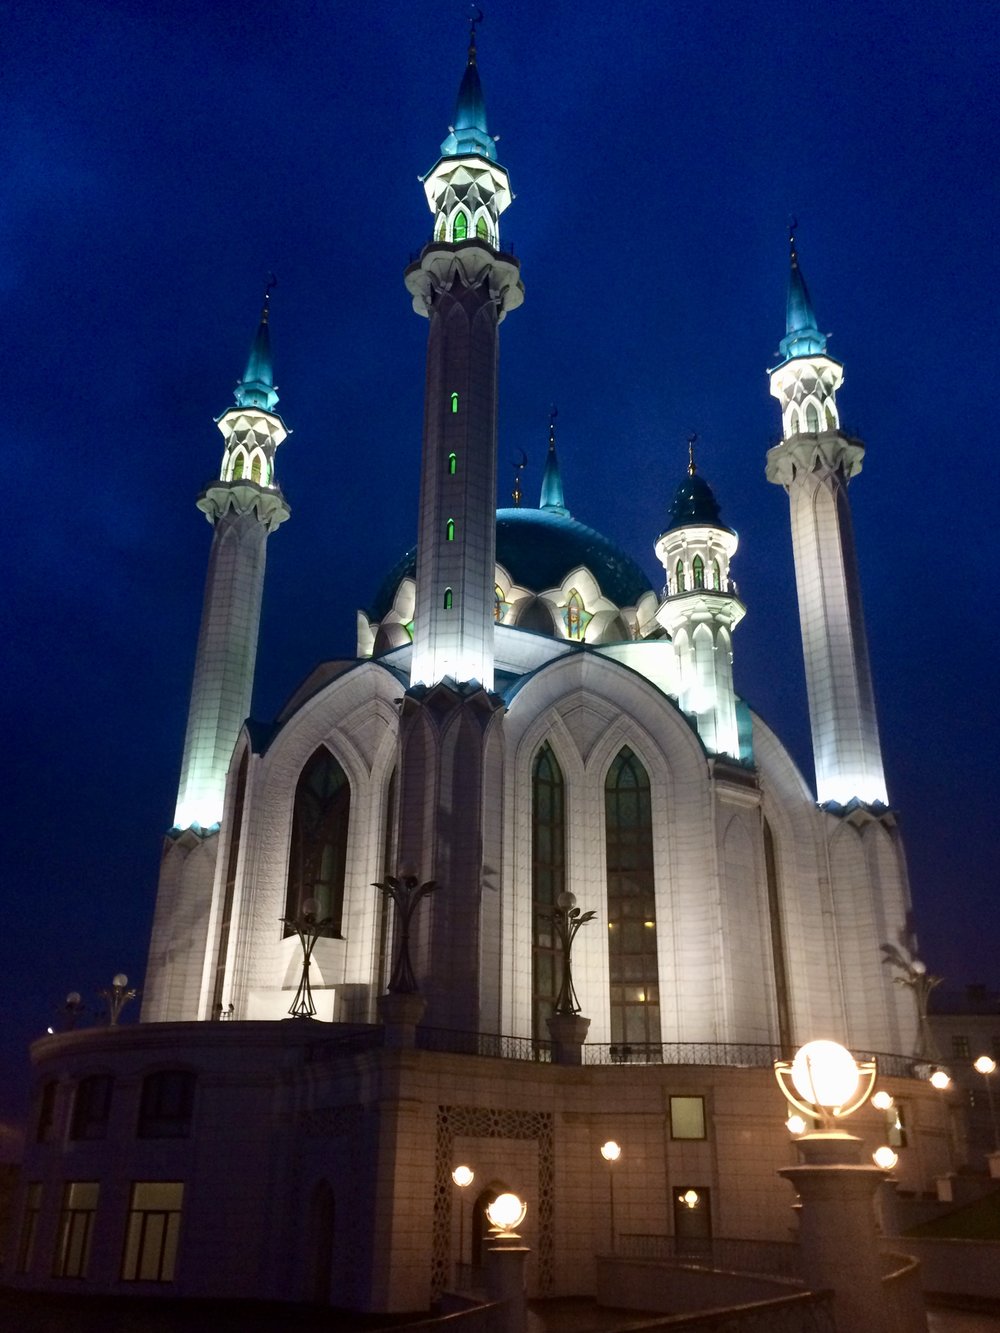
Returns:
point(159, 165)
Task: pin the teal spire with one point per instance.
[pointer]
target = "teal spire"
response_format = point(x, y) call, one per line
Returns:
point(552, 499)
point(256, 388)
point(802, 335)
point(469, 133)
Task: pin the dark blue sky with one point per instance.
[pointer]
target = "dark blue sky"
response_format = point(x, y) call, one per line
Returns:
point(158, 165)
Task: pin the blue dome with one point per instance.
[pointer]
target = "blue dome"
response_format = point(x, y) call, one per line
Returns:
point(538, 549)
point(694, 504)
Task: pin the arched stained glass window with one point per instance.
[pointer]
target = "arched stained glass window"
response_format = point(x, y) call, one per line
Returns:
point(698, 571)
point(460, 229)
point(632, 961)
point(548, 880)
point(679, 576)
point(831, 418)
point(449, 598)
point(442, 230)
point(482, 230)
point(449, 530)
point(320, 820)
point(384, 918)
point(255, 469)
point(574, 615)
point(499, 604)
point(812, 418)
point(716, 576)
point(239, 462)
point(454, 402)
point(452, 464)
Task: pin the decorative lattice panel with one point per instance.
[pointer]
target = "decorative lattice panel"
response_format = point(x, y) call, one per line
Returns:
point(486, 1123)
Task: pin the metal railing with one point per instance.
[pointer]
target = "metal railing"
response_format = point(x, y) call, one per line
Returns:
point(764, 1258)
point(804, 1312)
point(493, 1045)
point(736, 1055)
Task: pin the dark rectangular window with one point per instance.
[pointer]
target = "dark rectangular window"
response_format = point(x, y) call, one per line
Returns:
point(154, 1223)
point(960, 1047)
point(76, 1225)
point(167, 1104)
point(895, 1126)
point(29, 1226)
point(91, 1107)
point(45, 1121)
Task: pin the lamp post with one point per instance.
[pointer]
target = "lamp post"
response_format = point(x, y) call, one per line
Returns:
point(73, 1007)
point(505, 1261)
point(117, 995)
point(611, 1151)
point(308, 928)
point(406, 893)
point(566, 1025)
point(463, 1176)
point(987, 1067)
point(836, 1188)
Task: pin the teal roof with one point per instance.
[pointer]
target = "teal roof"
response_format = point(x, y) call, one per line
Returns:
point(469, 133)
point(256, 388)
point(538, 548)
point(802, 335)
point(694, 504)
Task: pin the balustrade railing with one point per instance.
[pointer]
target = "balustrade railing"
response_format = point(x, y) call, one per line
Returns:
point(767, 1258)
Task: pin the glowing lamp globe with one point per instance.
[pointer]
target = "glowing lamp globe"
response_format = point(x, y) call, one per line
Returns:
point(940, 1080)
point(121, 981)
point(882, 1101)
point(506, 1212)
point(825, 1073)
point(795, 1124)
point(462, 1176)
point(611, 1151)
point(984, 1065)
point(884, 1158)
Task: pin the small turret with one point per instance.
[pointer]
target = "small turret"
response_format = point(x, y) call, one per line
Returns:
point(701, 608)
point(256, 388)
point(807, 380)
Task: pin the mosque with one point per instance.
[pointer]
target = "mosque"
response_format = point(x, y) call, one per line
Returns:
point(527, 724)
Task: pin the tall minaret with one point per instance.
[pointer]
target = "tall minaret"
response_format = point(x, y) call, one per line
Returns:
point(243, 506)
point(700, 609)
point(464, 284)
point(552, 499)
point(814, 462)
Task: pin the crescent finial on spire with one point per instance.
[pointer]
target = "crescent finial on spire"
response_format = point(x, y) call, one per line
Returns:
point(476, 17)
point(793, 223)
point(692, 441)
point(269, 287)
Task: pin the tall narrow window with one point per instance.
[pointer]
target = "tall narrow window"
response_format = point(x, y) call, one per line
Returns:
point(461, 227)
point(442, 229)
point(448, 599)
point(482, 230)
point(777, 944)
point(716, 576)
point(812, 418)
point(167, 1104)
point(454, 402)
point(548, 880)
point(238, 465)
point(698, 571)
point(91, 1107)
point(76, 1225)
point(449, 530)
point(575, 615)
point(255, 469)
point(384, 920)
point(679, 576)
point(232, 859)
point(29, 1226)
point(632, 961)
point(154, 1224)
point(317, 864)
point(452, 464)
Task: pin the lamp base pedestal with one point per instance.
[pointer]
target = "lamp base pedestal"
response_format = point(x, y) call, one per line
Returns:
point(837, 1236)
point(400, 1014)
point(568, 1033)
point(505, 1264)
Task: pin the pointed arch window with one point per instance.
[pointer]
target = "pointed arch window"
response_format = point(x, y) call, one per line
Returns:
point(454, 402)
point(499, 603)
point(449, 530)
point(460, 229)
point(777, 944)
point(320, 819)
point(698, 571)
point(442, 229)
point(255, 469)
point(831, 418)
point(385, 918)
point(574, 616)
point(482, 230)
point(239, 462)
point(449, 599)
point(716, 576)
point(679, 576)
point(452, 464)
point(632, 960)
point(548, 880)
point(812, 419)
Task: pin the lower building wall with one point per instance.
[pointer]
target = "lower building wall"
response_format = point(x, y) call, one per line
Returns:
point(315, 1165)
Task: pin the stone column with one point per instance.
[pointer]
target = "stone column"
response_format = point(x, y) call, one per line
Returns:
point(505, 1263)
point(568, 1032)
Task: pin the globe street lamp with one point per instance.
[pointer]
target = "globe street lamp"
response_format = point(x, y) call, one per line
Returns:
point(611, 1151)
point(117, 995)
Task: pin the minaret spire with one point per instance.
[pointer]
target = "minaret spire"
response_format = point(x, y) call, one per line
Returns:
point(244, 504)
point(814, 462)
point(552, 499)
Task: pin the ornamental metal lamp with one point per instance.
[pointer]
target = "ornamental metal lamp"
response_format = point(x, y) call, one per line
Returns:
point(567, 919)
point(117, 995)
point(405, 892)
point(825, 1083)
point(986, 1066)
point(309, 928)
point(611, 1151)
point(505, 1214)
point(463, 1176)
